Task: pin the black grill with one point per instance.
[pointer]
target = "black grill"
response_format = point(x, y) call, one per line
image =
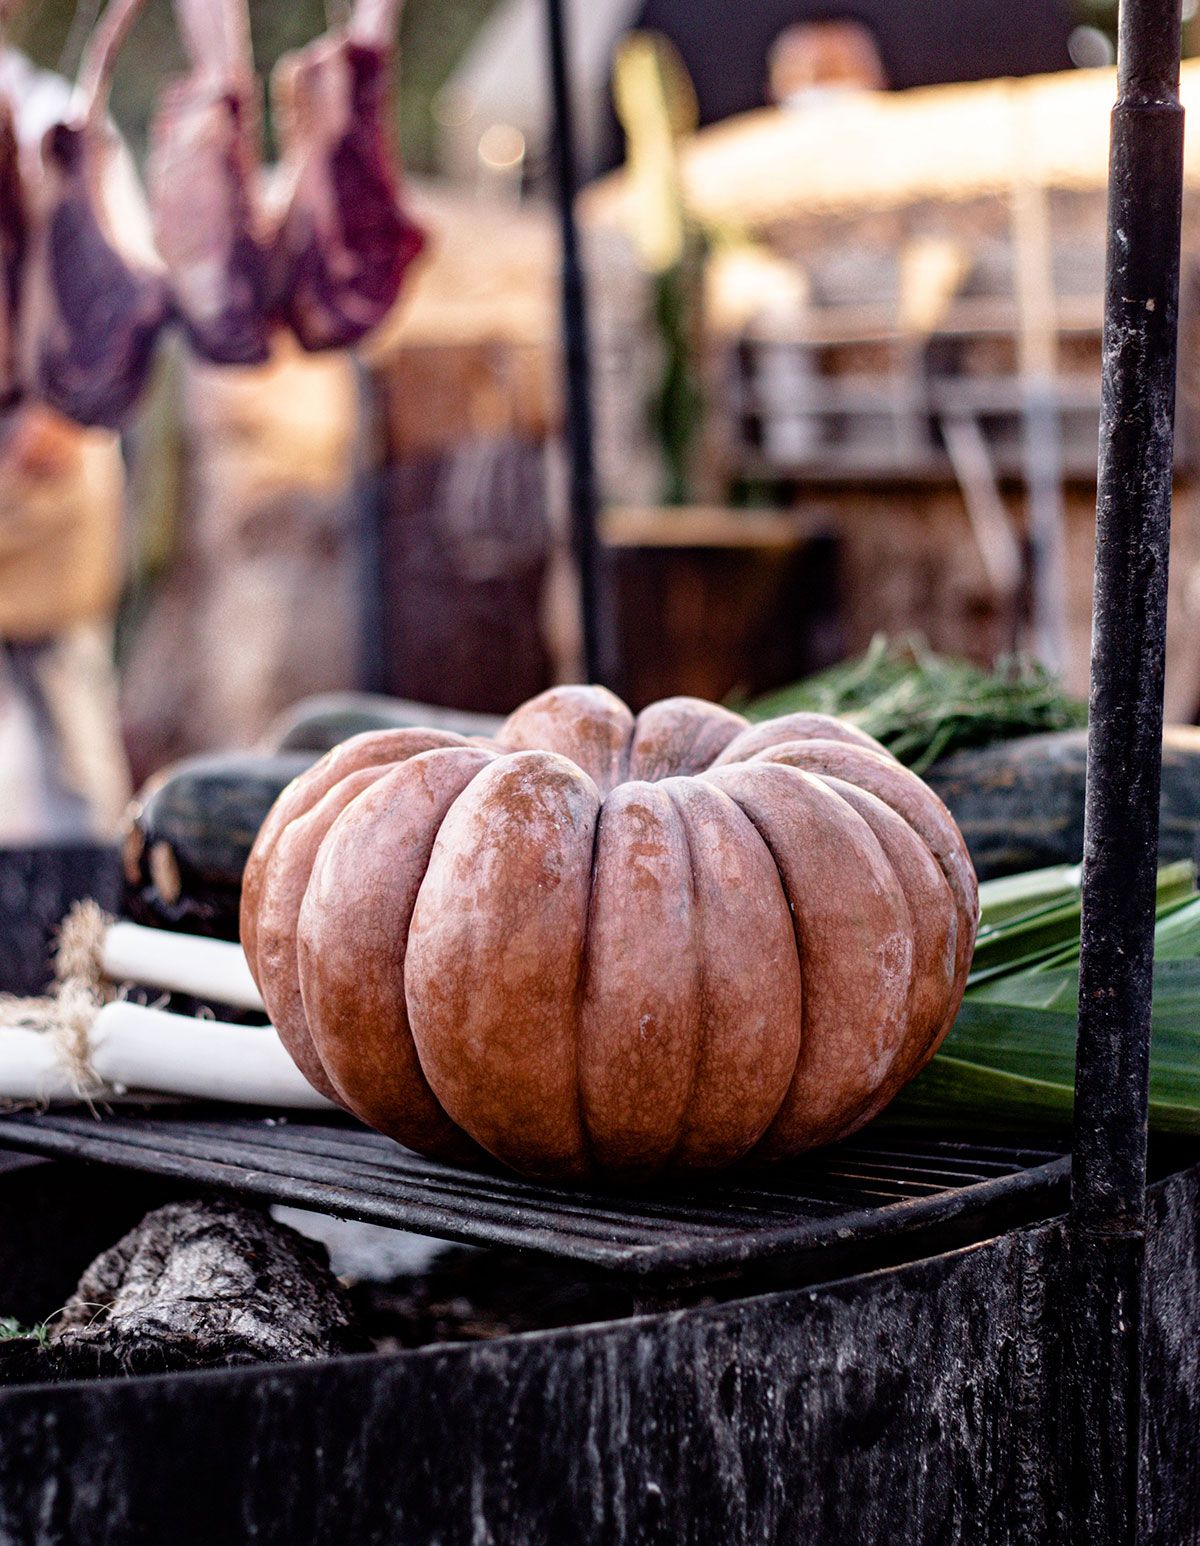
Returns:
point(861, 1194)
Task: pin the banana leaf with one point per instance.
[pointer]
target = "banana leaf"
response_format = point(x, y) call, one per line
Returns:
point(953, 1093)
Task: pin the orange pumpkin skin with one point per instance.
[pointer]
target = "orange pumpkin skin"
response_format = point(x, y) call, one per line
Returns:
point(612, 947)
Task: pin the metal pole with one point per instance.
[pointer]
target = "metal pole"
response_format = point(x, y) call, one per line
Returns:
point(1133, 523)
point(584, 499)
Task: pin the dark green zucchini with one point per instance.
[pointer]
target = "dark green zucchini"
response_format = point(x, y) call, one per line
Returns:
point(188, 835)
point(316, 724)
point(1020, 803)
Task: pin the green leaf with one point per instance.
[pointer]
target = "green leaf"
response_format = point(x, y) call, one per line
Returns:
point(1008, 1064)
point(1046, 932)
point(954, 1092)
point(1009, 896)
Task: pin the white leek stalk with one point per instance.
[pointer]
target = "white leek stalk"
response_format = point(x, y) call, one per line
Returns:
point(131, 1049)
point(134, 1048)
point(209, 969)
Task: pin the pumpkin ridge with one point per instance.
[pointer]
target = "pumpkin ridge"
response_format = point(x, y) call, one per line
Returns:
point(284, 884)
point(590, 726)
point(873, 1102)
point(749, 972)
point(880, 891)
point(497, 754)
point(307, 789)
point(491, 996)
point(799, 943)
point(852, 1120)
point(341, 1031)
point(691, 735)
point(952, 857)
point(640, 970)
point(702, 1034)
point(959, 876)
point(749, 815)
point(581, 986)
point(766, 735)
point(937, 1030)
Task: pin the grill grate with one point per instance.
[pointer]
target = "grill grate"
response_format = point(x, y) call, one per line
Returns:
point(868, 1190)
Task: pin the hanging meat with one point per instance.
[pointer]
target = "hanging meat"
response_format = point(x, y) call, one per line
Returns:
point(13, 240)
point(94, 297)
point(345, 239)
point(204, 175)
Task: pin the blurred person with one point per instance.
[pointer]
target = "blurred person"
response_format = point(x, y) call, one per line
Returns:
point(62, 766)
point(63, 773)
point(822, 57)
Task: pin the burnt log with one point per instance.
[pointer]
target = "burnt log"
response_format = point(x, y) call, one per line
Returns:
point(195, 1285)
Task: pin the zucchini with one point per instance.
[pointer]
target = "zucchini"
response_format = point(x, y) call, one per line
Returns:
point(187, 836)
point(1019, 803)
point(315, 724)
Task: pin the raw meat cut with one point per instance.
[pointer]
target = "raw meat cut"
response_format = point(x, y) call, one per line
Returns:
point(94, 300)
point(204, 174)
point(345, 240)
point(13, 241)
point(30, 99)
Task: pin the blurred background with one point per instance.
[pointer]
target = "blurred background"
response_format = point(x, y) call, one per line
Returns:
point(845, 268)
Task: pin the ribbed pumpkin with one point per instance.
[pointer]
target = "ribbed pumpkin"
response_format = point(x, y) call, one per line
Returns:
point(611, 946)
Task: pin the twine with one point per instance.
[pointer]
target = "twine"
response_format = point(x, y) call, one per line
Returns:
point(67, 1013)
point(79, 953)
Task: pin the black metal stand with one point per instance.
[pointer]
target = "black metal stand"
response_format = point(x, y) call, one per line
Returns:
point(584, 497)
point(1124, 763)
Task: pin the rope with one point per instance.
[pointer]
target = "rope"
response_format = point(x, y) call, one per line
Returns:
point(80, 949)
point(66, 1014)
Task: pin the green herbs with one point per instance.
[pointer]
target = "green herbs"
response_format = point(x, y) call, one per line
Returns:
point(12, 1330)
point(923, 706)
point(1008, 1065)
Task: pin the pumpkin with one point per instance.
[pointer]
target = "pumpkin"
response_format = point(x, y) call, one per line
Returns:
point(611, 946)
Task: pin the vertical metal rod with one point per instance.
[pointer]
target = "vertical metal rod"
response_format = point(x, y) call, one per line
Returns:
point(584, 499)
point(1133, 522)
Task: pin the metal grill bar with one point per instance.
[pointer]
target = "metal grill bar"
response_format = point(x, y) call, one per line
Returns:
point(857, 1194)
